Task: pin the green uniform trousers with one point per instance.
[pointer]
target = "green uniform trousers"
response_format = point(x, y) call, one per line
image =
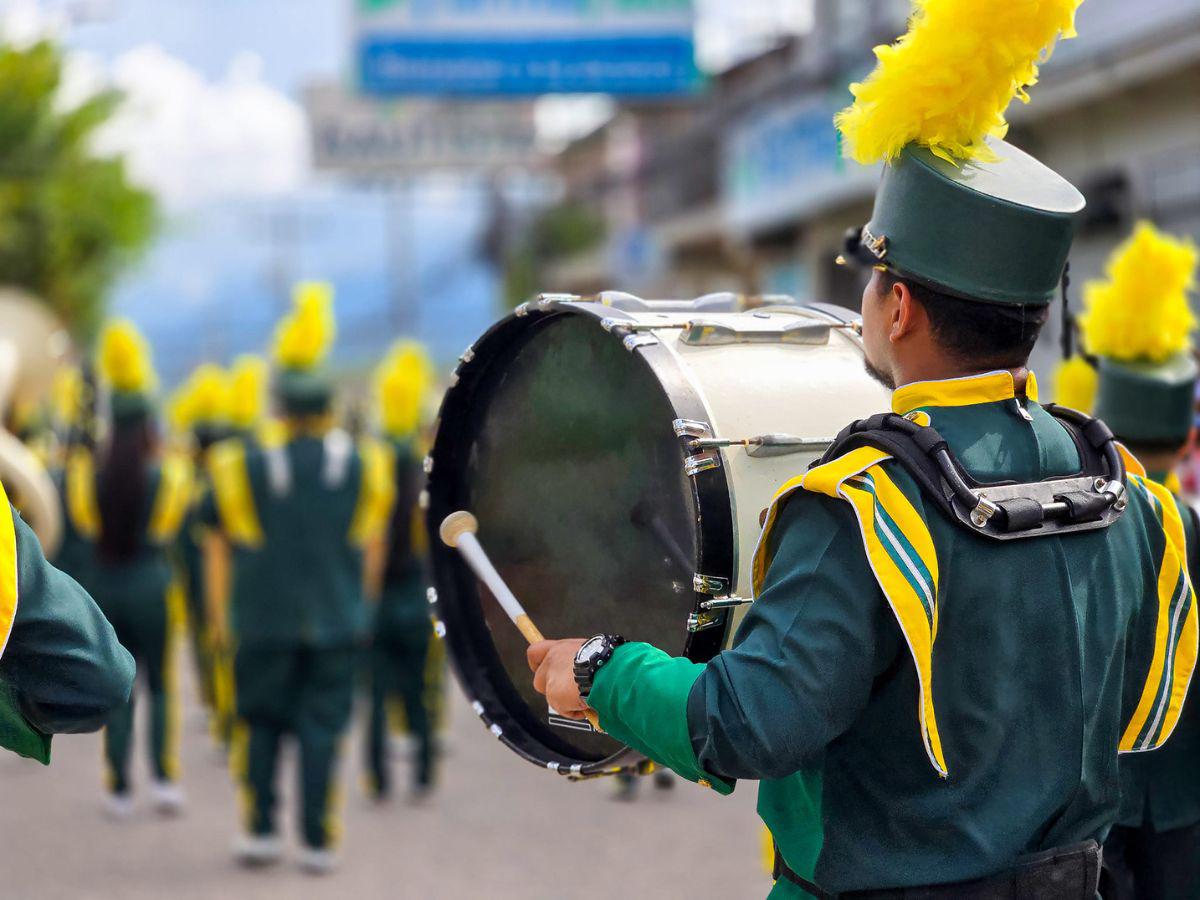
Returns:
point(1142, 864)
point(143, 628)
point(400, 670)
point(301, 690)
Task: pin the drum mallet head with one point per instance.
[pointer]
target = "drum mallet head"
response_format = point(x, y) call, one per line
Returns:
point(456, 525)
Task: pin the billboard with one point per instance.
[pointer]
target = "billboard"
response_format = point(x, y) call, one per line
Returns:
point(638, 48)
point(361, 136)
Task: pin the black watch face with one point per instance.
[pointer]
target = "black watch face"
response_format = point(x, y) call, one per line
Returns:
point(590, 650)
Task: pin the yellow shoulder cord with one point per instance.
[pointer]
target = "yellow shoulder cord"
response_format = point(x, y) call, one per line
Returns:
point(376, 494)
point(174, 495)
point(235, 499)
point(1176, 633)
point(8, 570)
point(80, 483)
point(900, 552)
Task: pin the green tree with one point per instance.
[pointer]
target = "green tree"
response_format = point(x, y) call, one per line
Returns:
point(69, 219)
point(557, 233)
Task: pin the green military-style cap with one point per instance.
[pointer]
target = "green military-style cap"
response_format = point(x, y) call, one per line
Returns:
point(130, 407)
point(304, 392)
point(1148, 403)
point(998, 231)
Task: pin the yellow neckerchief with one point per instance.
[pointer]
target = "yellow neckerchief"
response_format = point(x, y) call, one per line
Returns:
point(988, 387)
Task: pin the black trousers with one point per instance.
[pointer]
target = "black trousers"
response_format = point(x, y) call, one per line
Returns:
point(1143, 864)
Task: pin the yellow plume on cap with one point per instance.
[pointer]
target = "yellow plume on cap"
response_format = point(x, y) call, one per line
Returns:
point(209, 394)
point(947, 82)
point(1141, 311)
point(1075, 384)
point(248, 384)
point(67, 395)
point(124, 358)
point(304, 337)
point(402, 382)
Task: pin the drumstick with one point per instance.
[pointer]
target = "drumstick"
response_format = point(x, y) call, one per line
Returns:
point(458, 531)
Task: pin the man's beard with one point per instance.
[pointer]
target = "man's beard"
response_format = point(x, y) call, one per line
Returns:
point(879, 375)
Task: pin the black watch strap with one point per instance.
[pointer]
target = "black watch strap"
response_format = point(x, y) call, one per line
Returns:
point(585, 670)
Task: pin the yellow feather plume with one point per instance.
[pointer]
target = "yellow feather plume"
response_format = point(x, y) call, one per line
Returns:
point(209, 394)
point(248, 385)
point(402, 383)
point(1075, 384)
point(947, 82)
point(1141, 311)
point(304, 337)
point(67, 395)
point(124, 358)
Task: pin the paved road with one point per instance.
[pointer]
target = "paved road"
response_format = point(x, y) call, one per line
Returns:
point(498, 828)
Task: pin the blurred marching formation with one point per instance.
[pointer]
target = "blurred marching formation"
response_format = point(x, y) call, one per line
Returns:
point(239, 512)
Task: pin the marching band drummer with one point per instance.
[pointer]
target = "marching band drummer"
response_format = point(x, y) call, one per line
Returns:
point(297, 515)
point(1138, 323)
point(927, 708)
point(133, 507)
point(405, 662)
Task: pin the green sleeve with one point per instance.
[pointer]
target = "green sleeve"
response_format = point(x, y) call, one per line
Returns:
point(63, 669)
point(641, 697)
point(805, 658)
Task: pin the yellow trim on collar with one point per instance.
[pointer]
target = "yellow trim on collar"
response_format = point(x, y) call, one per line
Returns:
point(990, 387)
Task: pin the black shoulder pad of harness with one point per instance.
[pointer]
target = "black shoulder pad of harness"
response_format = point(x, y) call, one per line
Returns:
point(1092, 498)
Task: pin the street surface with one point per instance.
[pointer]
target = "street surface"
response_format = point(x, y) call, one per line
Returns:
point(497, 828)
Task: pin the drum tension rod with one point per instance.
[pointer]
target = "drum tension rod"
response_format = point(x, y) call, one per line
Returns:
point(764, 444)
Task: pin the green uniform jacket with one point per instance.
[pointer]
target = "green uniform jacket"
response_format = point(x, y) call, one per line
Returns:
point(62, 669)
point(1162, 789)
point(298, 515)
point(923, 705)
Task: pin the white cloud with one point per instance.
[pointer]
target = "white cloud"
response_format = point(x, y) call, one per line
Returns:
point(24, 22)
point(194, 141)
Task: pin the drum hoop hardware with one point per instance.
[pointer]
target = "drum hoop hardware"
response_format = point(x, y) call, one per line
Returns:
point(702, 621)
point(691, 428)
point(725, 602)
point(713, 585)
point(701, 462)
point(431, 596)
point(764, 445)
point(633, 341)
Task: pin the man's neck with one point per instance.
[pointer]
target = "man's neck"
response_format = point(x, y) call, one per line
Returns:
point(942, 370)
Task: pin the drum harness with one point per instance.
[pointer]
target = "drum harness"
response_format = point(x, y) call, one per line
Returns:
point(1007, 510)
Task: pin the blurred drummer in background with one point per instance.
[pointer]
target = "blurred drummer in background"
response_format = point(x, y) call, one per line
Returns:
point(927, 708)
point(133, 506)
point(406, 660)
point(297, 514)
point(71, 466)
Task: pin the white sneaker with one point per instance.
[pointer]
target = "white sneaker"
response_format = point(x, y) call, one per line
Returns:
point(318, 860)
point(254, 850)
point(168, 798)
point(118, 807)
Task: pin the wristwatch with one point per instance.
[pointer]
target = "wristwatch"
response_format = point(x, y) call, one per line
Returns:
point(594, 653)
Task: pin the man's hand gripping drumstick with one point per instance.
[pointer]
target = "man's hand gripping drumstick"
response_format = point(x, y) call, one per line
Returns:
point(552, 662)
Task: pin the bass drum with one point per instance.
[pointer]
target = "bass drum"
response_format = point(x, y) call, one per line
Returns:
point(617, 454)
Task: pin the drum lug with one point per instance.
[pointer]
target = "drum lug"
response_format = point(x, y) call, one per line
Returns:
point(423, 500)
point(431, 596)
point(701, 462)
point(544, 300)
point(521, 310)
point(712, 333)
point(712, 585)
point(427, 465)
point(702, 621)
point(691, 428)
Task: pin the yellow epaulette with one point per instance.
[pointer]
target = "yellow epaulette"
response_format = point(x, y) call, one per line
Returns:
point(234, 496)
point(901, 554)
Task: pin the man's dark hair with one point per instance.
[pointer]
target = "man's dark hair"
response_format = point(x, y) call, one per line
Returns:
point(987, 334)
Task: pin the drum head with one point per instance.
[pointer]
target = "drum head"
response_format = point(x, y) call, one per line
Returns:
point(560, 442)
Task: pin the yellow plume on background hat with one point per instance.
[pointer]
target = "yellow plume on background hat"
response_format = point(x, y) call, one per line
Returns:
point(1141, 311)
point(402, 383)
point(947, 82)
point(1075, 384)
point(304, 337)
point(201, 400)
point(124, 358)
point(248, 385)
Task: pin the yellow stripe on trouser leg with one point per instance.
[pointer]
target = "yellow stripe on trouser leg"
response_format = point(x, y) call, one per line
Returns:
point(176, 615)
point(1175, 639)
point(239, 765)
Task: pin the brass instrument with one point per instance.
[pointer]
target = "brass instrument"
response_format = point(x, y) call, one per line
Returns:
point(33, 343)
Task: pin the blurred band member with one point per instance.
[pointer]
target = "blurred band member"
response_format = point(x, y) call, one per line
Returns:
point(297, 513)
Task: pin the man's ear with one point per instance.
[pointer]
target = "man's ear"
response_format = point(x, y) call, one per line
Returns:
point(905, 312)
